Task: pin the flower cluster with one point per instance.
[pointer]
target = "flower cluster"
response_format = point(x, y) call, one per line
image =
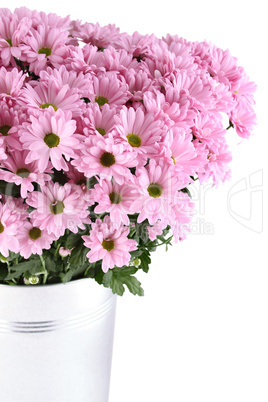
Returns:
point(102, 133)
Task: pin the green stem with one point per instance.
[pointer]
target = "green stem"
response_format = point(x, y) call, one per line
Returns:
point(230, 125)
point(57, 249)
point(44, 268)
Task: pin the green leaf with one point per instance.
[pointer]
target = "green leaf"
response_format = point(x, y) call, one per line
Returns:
point(78, 254)
point(187, 191)
point(145, 260)
point(33, 265)
point(3, 271)
point(118, 278)
point(9, 189)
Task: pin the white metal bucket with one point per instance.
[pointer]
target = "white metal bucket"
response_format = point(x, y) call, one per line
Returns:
point(56, 342)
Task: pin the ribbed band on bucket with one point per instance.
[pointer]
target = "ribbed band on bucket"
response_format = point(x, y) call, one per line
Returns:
point(73, 322)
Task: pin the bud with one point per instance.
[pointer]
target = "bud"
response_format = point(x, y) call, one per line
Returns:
point(64, 252)
point(136, 262)
point(32, 280)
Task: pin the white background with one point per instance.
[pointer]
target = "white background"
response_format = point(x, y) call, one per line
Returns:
point(200, 333)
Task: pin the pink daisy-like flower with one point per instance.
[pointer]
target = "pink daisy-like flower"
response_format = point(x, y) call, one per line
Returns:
point(115, 199)
point(103, 157)
point(109, 243)
point(97, 35)
point(157, 186)
point(197, 88)
point(156, 229)
point(182, 154)
point(223, 67)
point(12, 34)
point(183, 211)
point(141, 132)
point(79, 81)
point(243, 118)
point(51, 93)
point(78, 179)
point(44, 47)
point(10, 223)
point(11, 119)
point(98, 119)
point(209, 130)
point(58, 208)
point(117, 61)
point(138, 83)
point(136, 44)
point(160, 62)
point(109, 89)
point(11, 83)
point(50, 136)
point(15, 170)
point(173, 108)
point(217, 167)
point(33, 240)
point(3, 154)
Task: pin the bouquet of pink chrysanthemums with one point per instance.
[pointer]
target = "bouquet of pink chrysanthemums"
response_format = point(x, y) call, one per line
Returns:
point(102, 134)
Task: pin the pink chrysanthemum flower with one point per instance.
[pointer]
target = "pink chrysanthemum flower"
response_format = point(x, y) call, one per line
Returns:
point(44, 47)
point(33, 240)
point(115, 199)
point(217, 168)
point(96, 119)
point(160, 62)
point(109, 89)
point(197, 88)
point(183, 211)
point(79, 81)
point(109, 242)
point(139, 83)
point(141, 132)
point(11, 119)
point(136, 44)
point(50, 93)
point(12, 34)
point(184, 59)
point(97, 35)
point(11, 83)
point(10, 223)
point(156, 229)
point(182, 154)
point(103, 157)
point(78, 179)
point(15, 170)
point(209, 130)
point(3, 154)
point(117, 61)
point(157, 185)
point(58, 208)
point(243, 118)
point(173, 108)
point(50, 136)
point(223, 67)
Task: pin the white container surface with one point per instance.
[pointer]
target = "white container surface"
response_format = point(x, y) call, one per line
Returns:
point(56, 342)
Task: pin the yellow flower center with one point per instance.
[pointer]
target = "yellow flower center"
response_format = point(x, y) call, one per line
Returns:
point(45, 50)
point(4, 130)
point(101, 100)
point(115, 198)
point(35, 233)
point(107, 159)
point(134, 140)
point(108, 245)
point(23, 172)
point(57, 207)
point(154, 190)
point(52, 140)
